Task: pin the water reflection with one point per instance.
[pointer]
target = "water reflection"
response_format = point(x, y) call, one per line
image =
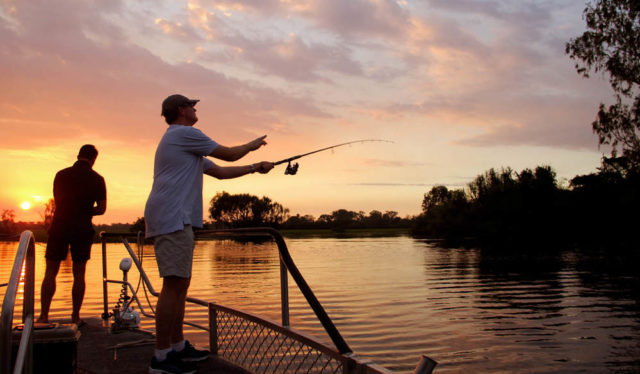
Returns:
point(394, 299)
point(525, 285)
point(614, 275)
point(557, 313)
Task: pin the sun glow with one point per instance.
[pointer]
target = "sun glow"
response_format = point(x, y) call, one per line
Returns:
point(25, 205)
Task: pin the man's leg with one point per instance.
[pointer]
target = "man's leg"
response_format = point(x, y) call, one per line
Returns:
point(177, 334)
point(184, 349)
point(77, 291)
point(174, 254)
point(48, 289)
point(170, 311)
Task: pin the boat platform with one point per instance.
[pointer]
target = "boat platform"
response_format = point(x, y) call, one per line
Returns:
point(126, 352)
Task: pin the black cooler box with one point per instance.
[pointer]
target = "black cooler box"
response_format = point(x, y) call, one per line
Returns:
point(55, 349)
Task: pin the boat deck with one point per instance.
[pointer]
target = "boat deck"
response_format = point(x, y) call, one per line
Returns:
point(126, 352)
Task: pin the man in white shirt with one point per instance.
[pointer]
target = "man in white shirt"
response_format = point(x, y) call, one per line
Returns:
point(174, 206)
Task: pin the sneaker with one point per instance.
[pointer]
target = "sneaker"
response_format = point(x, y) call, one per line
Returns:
point(191, 354)
point(171, 365)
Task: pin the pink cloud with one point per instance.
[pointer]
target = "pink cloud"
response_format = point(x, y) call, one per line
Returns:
point(360, 18)
point(67, 70)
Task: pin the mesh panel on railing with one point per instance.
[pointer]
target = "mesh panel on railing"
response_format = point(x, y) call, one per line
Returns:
point(260, 349)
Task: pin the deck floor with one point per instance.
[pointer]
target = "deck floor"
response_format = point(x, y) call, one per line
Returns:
point(96, 353)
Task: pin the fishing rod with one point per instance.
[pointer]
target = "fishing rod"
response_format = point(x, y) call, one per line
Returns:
point(292, 169)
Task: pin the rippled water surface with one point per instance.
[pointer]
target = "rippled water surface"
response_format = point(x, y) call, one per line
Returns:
point(397, 298)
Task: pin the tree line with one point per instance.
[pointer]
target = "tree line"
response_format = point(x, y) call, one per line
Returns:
point(500, 209)
point(228, 211)
point(504, 209)
point(235, 211)
point(245, 210)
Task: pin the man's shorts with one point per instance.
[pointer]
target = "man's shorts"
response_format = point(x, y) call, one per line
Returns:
point(78, 241)
point(174, 253)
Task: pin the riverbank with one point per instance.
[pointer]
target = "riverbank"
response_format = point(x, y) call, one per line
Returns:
point(41, 234)
point(348, 233)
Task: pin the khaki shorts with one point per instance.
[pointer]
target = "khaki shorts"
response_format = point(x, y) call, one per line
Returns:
point(174, 253)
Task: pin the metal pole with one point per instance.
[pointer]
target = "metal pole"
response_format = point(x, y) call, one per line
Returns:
point(213, 330)
point(425, 366)
point(322, 315)
point(284, 293)
point(29, 281)
point(24, 356)
point(26, 251)
point(105, 314)
point(28, 304)
point(136, 261)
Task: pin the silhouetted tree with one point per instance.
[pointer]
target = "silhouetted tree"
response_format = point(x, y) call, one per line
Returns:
point(325, 221)
point(271, 212)
point(300, 222)
point(445, 215)
point(390, 218)
point(611, 45)
point(138, 225)
point(602, 204)
point(8, 225)
point(375, 219)
point(517, 210)
point(436, 197)
point(341, 219)
point(47, 216)
point(244, 210)
point(502, 209)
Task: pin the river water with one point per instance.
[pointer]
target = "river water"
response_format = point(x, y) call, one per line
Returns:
point(396, 298)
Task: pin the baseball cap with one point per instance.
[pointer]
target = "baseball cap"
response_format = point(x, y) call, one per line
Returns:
point(173, 102)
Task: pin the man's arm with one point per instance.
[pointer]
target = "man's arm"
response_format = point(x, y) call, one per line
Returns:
point(100, 208)
point(101, 198)
point(229, 172)
point(235, 153)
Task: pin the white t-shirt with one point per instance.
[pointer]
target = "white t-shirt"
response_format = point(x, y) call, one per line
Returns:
point(176, 195)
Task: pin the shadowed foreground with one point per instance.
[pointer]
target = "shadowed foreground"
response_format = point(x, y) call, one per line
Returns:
point(100, 351)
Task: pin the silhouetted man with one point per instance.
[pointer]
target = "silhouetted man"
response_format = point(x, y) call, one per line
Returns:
point(174, 206)
point(79, 194)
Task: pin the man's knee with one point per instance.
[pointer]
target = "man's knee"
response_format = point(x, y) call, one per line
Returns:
point(175, 285)
point(52, 268)
point(79, 268)
point(176, 281)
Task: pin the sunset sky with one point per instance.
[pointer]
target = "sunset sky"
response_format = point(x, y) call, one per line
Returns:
point(458, 86)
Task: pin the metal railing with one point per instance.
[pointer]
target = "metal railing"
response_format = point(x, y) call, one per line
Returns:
point(25, 258)
point(257, 344)
point(287, 265)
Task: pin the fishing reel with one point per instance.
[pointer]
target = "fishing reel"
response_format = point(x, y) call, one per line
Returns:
point(291, 169)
